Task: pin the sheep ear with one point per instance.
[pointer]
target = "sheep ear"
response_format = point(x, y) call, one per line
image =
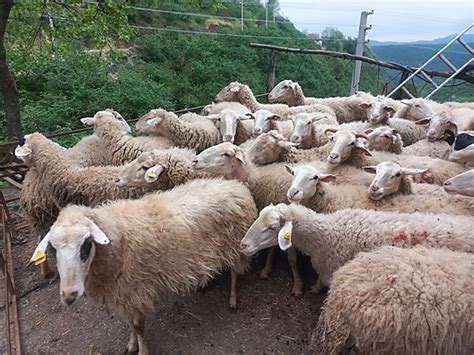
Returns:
point(88, 121)
point(214, 117)
point(286, 144)
point(289, 169)
point(39, 256)
point(275, 117)
point(411, 171)
point(247, 116)
point(153, 173)
point(359, 145)
point(239, 155)
point(364, 105)
point(22, 151)
point(284, 235)
point(449, 137)
point(327, 177)
point(453, 127)
point(390, 109)
point(97, 234)
point(370, 169)
point(368, 131)
point(423, 121)
point(330, 130)
point(153, 121)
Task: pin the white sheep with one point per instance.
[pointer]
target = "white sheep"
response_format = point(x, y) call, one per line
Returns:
point(310, 188)
point(188, 131)
point(268, 184)
point(241, 93)
point(349, 149)
point(462, 184)
point(159, 170)
point(309, 129)
point(347, 109)
point(391, 179)
point(266, 121)
point(455, 120)
point(332, 239)
point(397, 301)
point(387, 139)
point(234, 127)
point(183, 238)
point(214, 108)
point(381, 108)
point(119, 145)
point(417, 108)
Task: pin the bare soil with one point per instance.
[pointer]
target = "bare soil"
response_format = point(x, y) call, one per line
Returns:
point(268, 319)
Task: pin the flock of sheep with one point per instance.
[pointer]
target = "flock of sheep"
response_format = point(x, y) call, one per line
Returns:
point(377, 192)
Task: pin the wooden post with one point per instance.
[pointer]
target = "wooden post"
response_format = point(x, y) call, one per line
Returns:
point(272, 70)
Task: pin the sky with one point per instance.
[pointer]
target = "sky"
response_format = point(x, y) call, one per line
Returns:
point(393, 20)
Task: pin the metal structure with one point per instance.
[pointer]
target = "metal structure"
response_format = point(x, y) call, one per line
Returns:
point(421, 71)
point(12, 326)
point(360, 50)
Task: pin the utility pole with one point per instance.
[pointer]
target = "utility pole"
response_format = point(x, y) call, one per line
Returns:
point(360, 50)
point(241, 15)
point(266, 14)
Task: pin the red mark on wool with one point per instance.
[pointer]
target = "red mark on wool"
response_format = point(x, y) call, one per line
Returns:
point(410, 239)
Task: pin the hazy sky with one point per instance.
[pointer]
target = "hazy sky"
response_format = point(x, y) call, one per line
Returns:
point(393, 20)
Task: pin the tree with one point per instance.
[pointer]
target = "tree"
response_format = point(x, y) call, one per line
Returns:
point(333, 39)
point(8, 87)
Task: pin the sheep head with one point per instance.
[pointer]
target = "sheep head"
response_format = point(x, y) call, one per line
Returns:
point(142, 171)
point(305, 182)
point(303, 128)
point(263, 121)
point(438, 123)
point(221, 159)
point(273, 226)
point(344, 143)
point(230, 93)
point(378, 110)
point(384, 139)
point(75, 237)
point(462, 184)
point(284, 91)
point(268, 147)
point(107, 116)
point(227, 121)
point(390, 178)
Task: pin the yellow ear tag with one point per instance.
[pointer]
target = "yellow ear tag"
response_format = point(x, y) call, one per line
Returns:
point(26, 150)
point(287, 235)
point(39, 258)
point(151, 174)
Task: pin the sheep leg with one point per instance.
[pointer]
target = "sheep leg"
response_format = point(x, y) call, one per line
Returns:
point(317, 287)
point(137, 336)
point(233, 290)
point(267, 270)
point(297, 282)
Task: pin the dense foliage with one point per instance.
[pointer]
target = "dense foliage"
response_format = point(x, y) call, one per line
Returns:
point(170, 69)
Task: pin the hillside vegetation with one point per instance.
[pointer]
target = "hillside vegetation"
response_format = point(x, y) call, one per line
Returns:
point(168, 69)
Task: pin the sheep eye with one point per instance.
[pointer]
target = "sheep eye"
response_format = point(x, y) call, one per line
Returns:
point(398, 174)
point(352, 143)
point(144, 167)
point(227, 154)
point(308, 123)
point(315, 177)
point(85, 249)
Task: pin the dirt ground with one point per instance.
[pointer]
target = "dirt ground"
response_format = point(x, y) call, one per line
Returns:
point(268, 319)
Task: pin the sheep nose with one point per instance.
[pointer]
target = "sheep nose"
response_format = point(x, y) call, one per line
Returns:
point(194, 162)
point(333, 156)
point(137, 130)
point(243, 245)
point(447, 183)
point(69, 299)
point(229, 138)
point(257, 130)
point(293, 193)
point(374, 188)
point(117, 180)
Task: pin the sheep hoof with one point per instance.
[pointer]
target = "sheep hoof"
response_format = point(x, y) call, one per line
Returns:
point(233, 305)
point(297, 293)
point(264, 274)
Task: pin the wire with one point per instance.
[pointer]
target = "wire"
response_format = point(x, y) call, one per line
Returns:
point(221, 34)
